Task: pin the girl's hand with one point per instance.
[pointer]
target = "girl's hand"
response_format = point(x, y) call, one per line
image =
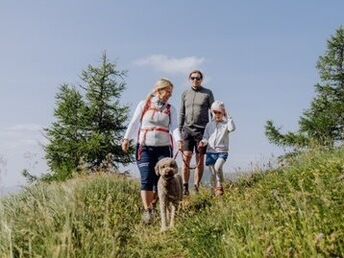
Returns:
point(227, 114)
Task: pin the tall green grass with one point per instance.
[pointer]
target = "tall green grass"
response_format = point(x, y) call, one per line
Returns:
point(292, 212)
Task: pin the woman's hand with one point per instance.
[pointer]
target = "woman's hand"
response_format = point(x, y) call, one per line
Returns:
point(125, 145)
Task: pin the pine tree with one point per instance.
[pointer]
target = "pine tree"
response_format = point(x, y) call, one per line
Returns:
point(323, 123)
point(89, 123)
point(106, 117)
point(66, 134)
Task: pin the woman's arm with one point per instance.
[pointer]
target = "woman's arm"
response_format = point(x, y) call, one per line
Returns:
point(134, 123)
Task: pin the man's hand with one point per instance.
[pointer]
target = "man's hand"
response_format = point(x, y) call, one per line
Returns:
point(180, 145)
point(201, 144)
point(125, 145)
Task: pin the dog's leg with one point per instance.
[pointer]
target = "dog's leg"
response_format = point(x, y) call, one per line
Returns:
point(168, 214)
point(163, 214)
point(173, 213)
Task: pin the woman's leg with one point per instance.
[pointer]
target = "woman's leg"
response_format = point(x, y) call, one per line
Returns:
point(146, 165)
point(147, 198)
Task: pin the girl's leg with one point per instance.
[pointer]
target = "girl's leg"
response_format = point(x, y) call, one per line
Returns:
point(218, 167)
point(212, 176)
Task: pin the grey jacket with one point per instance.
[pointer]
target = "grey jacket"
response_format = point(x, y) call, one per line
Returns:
point(216, 135)
point(195, 106)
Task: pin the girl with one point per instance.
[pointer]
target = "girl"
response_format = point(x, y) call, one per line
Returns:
point(216, 137)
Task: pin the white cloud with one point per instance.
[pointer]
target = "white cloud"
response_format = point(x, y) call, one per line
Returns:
point(21, 136)
point(21, 147)
point(25, 127)
point(171, 65)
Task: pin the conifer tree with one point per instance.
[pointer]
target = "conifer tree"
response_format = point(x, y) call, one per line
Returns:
point(323, 123)
point(89, 122)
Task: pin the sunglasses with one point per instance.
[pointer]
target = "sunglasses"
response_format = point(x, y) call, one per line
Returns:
point(217, 112)
point(195, 78)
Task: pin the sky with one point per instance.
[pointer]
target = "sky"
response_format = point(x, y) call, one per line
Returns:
point(258, 57)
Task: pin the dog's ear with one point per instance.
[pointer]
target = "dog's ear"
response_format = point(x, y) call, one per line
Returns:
point(156, 168)
point(175, 166)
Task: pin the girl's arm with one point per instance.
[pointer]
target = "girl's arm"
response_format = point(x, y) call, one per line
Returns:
point(206, 134)
point(230, 125)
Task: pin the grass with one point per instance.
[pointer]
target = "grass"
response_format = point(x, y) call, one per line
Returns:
point(292, 212)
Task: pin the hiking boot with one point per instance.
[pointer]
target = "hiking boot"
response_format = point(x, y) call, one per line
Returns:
point(147, 217)
point(153, 214)
point(186, 190)
point(196, 189)
point(219, 191)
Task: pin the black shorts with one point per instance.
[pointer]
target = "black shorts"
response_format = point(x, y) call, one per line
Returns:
point(191, 138)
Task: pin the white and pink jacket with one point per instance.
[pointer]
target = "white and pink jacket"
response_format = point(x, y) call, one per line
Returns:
point(156, 126)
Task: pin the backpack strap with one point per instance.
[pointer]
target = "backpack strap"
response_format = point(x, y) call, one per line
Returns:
point(145, 109)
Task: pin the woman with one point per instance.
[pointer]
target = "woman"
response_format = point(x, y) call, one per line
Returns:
point(153, 122)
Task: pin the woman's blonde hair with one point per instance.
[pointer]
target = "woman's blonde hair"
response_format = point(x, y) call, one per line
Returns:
point(162, 84)
point(159, 85)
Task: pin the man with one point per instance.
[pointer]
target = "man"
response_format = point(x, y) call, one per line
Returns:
point(194, 115)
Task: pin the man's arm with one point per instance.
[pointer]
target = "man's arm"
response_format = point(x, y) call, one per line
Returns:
point(211, 100)
point(182, 113)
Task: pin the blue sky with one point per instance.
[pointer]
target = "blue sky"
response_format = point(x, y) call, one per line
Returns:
point(258, 57)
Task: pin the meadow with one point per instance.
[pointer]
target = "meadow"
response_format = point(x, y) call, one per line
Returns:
point(293, 211)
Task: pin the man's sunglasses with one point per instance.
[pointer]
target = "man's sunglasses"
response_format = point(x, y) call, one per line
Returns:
point(195, 78)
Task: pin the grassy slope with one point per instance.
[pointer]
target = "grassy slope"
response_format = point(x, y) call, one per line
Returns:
point(295, 212)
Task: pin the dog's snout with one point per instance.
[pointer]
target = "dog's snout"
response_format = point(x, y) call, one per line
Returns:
point(170, 172)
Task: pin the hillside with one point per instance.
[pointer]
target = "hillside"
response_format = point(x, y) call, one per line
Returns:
point(292, 212)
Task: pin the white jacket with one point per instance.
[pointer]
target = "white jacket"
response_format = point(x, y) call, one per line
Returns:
point(216, 135)
point(137, 129)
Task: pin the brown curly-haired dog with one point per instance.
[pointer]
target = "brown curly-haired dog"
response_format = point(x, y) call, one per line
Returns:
point(169, 191)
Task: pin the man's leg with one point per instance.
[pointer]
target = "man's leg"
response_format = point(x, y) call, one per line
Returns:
point(186, 171)
point(199, 169)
